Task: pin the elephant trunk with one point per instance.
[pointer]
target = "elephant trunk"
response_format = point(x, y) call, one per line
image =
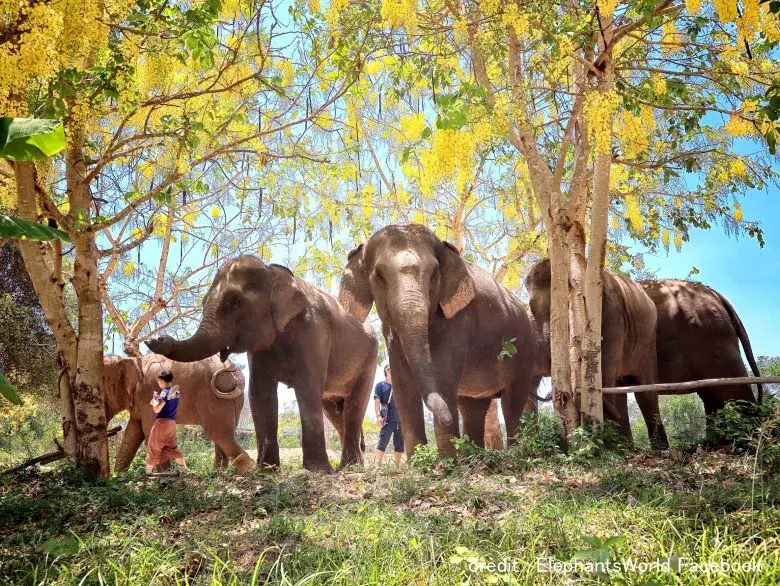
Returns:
point(412, 328)
point(204, 343)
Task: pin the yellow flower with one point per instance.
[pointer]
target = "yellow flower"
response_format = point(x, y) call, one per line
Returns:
point(215, 212)
point(665, 239)
point(694, 7)
point(400, 13)
point(678, 241)
point(634, 213)
point(128, 268)
point(599, 110)
point(738, 168)
point(737, 212)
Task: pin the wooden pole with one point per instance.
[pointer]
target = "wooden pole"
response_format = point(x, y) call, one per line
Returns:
point(697, 384)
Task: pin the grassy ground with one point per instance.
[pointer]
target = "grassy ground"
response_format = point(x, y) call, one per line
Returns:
point(409, 527)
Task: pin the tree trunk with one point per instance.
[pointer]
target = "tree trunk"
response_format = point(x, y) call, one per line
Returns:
point(563, 394)
point(43, 267)
point(592, 403)
point(88, 403)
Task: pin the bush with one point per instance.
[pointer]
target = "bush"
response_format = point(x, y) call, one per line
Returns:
point(596, 441)
point(750, 428)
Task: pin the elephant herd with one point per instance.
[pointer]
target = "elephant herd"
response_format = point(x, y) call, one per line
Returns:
point(445, 322)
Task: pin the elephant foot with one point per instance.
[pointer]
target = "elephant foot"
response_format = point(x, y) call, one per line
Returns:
point(318, 466)
point(243, 463)
point(349, 460)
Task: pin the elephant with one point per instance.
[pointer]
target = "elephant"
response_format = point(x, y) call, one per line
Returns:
point(212, 395)
point(628, 348)
point(445, 322)
point(699, 333)
point(296, 334)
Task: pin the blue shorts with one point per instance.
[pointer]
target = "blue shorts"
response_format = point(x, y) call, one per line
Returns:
point(391, 428)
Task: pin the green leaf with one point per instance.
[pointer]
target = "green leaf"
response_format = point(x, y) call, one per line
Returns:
point(20, 229)
point(587, 554)
point(594, 541)
point(614, 541)
point(8, 391)
point(426, 133)
point(30, 139)
point(62, 545)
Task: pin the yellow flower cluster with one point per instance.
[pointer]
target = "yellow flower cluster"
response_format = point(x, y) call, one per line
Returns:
point(739, 126)
point(461, 29)
point(635, 131)
point(678, 241)
point(738, 168)
point(658, 83)
point(599, 110)
point(671, 39)
point(737, 212)
point(694, 7)
point(400, 13)
point(727, 10)
point(12, 417)
point(634, 212)
point(333, 12)
point(516, 19)
point(665, 239)
point(286, 69)
point(452, 156)
point(607, 7)
point(412, 126)
point(128, 268)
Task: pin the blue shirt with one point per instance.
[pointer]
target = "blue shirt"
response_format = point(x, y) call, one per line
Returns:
point(171, 398)
point(382, 392)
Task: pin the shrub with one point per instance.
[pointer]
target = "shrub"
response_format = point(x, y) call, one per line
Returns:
point(752, 428)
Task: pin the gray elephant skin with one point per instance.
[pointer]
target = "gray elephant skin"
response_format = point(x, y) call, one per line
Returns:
point(125, 387)
point(296, 334)
point(445, 322)
point(696, 336)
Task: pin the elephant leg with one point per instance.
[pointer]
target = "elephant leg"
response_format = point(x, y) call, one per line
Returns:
point(448, 362)
point(618, 403)
point(220, 459)
point(474, 412)
point(315, 455)
point(648, 405)
point(263, 403)
point(226, 444)
point(132, 438)
point(408, 400)
point(334, 411)
point(516, 400)
point(494, 437)
point(355, 405)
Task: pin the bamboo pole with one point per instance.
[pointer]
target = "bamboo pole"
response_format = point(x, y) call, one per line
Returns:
point(691, 385)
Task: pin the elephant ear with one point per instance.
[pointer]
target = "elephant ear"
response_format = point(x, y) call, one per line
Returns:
point(457, 286)
point(287, 298)
point(354, 292)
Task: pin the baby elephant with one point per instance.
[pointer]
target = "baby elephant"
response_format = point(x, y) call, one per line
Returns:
point(296, 334)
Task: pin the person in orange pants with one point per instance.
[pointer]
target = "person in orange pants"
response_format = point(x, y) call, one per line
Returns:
point(162, 447)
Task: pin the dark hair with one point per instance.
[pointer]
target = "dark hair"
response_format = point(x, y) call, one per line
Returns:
point(165, 375)
point(387, 367)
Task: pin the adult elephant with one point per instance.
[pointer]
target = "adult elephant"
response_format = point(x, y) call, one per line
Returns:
point(628, 347)
point(445, 322)
point(295, 334)
point(212, 395)
point(699, 335)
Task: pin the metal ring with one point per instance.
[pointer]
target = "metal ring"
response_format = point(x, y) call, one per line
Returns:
point(236, 392)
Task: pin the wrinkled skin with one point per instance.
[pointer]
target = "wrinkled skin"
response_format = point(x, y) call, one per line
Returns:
point(293, 333)
point(444, 321)
point(699, 334)
point(628, 348)
point(126, 388)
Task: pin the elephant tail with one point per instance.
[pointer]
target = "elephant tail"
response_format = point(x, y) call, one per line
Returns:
point(743, 337)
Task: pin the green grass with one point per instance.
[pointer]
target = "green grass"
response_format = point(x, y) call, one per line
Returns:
point(411, 527)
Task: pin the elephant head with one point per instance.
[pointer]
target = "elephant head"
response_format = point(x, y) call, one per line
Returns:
point(120, 376)
point(411, 276)
point(537, 282)
point(245, 308)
